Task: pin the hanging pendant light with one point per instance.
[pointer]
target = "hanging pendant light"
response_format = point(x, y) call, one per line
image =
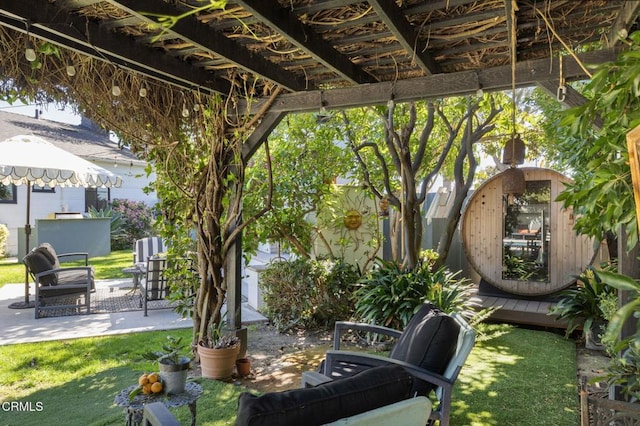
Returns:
point(513, 179)
point(514, 151)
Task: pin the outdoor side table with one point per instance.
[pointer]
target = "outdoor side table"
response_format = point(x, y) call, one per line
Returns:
point(137, 272)
point(134, 409)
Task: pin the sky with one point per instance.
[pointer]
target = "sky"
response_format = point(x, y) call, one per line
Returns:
point(49, 112)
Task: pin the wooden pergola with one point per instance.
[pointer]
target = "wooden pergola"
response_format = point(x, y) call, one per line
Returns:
point(338, 53)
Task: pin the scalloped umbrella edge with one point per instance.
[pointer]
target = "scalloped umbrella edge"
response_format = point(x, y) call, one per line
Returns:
point(31, 160)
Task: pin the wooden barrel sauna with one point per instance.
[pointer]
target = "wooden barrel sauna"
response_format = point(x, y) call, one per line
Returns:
point(487, 238)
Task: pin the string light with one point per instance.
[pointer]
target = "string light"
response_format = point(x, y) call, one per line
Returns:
point(115, 90)
point(30, 54)
point(142, 92)
point(185, 110)
point(71, 70)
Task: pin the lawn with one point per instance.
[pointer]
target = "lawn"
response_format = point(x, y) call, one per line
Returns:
point(514, 376)
point(105, 267)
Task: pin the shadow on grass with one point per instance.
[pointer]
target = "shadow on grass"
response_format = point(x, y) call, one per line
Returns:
point(90, 401)
point(517, 376)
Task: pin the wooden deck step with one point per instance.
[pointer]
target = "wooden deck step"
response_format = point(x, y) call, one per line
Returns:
point(519, 311)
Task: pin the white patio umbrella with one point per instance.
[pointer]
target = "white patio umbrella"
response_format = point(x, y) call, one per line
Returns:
point(30, 160)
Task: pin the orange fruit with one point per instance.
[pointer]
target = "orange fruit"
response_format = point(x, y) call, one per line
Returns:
point(156, 387)
point(153, 377)
point(143, 380)
point(146, 389)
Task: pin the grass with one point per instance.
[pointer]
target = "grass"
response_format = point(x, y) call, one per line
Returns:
point(76, 381)
point(514, 376)
point(518, 376)
point(105, 267)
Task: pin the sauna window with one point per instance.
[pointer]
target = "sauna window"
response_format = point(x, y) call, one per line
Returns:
point(526, 239)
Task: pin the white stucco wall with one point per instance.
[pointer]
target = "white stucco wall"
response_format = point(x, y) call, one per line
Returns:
point(45, 205)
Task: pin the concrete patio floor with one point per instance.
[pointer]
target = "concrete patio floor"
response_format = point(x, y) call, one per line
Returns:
point(20, 325)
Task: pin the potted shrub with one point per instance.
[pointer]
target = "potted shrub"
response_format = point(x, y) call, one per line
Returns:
point(580, 306)
point(173, 364)
point(218, 354)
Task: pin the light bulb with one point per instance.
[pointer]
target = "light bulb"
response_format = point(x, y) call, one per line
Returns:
point(143, 92)
point(480, 92)
point(71, 70)
point(185, 111)
point(115, 90)
point(30, 54)
point(196, 107)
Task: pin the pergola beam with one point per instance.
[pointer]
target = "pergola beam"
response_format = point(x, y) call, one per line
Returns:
point(286, 24)
point(392, 17)
point(528, 73)
point(82, 35)
point(204, 37)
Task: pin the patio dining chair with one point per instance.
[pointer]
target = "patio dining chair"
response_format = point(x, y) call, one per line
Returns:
point(433, 348)
point(155, 285)
point(147, 247)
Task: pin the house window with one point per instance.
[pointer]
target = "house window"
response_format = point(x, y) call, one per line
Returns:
point(38, 188)
point(8, 194)
point(98, 198)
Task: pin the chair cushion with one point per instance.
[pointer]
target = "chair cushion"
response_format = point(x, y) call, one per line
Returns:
point(371, 389)
point(48, 250)
point(429, 341)
point(39, 260)
point(76, 277)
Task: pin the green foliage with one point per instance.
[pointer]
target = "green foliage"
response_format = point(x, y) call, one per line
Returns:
point(624, 371)
point(627, 311)
point(517, 268)
point(580, 305)
point(135, 222)
point(601, 194)
point(305, 293)
point(173, 350)
point(296, 147)
point(390, 294)
point(117, 228)
point(4, 234)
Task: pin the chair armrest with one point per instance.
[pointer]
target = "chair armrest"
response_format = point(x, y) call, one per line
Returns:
point(77, 254)
point(333, 356)
point(341, 326)
point(312, 379)
point(62, 271)
point(157, 414)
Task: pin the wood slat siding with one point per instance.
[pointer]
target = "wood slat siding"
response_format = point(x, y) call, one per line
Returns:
point(482, 228)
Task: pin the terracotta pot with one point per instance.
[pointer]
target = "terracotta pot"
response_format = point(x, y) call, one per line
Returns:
point(218, 363)
point(243, 365)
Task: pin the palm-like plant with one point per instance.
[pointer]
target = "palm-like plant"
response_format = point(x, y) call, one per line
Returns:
point(580, 305)
point(390, 294)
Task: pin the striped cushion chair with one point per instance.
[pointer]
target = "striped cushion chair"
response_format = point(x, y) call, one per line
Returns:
point(145, 248)
point(155, 283)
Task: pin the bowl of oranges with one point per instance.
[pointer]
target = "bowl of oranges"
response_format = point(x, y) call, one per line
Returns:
point(148, 384)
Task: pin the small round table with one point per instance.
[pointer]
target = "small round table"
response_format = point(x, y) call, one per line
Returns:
point(137, 272)
point(134, 408)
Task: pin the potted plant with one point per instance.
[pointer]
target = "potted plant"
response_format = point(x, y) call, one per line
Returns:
point(218, 354)
point(580, 306)
point(173, 364)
